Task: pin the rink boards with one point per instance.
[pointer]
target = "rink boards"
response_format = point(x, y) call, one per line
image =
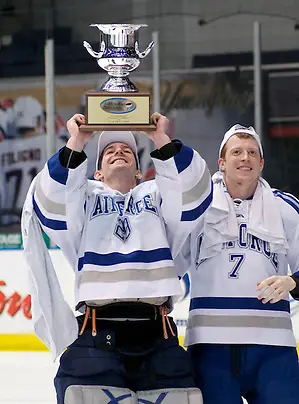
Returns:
point(16, 332)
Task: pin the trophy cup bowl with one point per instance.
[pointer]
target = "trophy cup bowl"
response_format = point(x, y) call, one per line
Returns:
point(118, 105)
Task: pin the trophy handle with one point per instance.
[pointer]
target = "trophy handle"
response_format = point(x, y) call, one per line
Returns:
point(89, 49)
point(143, 54)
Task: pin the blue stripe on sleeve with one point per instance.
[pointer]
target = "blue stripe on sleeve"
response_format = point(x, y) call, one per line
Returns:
point(159, 254)
point(193, 214)
point(183, 158)
point(239, 303)
point(296, 273)
point(287, 199)
point(50, 223)
point(57, 172)
point(288, 196)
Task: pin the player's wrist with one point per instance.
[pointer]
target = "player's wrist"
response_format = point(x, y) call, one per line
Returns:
point(161, 140)
point(292, 284)
point(76, 144)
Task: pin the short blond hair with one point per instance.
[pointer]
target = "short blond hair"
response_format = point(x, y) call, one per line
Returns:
point(240, 136)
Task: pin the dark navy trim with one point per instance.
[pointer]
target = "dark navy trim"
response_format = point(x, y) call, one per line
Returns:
point(113, 258)
point(193, 214)
point(183, 158)
point(239, 303)
point(292, 202)
point(290, 196)
point(50, 223)
point(57, 172)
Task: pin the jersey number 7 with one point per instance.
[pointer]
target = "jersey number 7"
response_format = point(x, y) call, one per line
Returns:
point(238, 259)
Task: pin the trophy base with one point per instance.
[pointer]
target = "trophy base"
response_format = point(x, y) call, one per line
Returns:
point(117, 111)
point(101, 128)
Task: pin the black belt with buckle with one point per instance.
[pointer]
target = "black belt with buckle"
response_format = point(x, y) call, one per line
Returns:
point(127, 310)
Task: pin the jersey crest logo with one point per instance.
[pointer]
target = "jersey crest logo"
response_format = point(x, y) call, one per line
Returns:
point(123, 229)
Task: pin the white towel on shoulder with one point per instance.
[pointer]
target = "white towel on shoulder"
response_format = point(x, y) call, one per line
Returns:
point(220, 221)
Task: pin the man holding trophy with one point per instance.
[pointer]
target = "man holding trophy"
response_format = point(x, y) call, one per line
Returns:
point(120, 238)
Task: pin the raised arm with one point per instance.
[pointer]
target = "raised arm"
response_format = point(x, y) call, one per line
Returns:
point(184, 184)
point(60, 192)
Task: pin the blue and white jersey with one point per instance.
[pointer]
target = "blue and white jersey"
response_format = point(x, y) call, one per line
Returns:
point(122, 246)
point(224, 308)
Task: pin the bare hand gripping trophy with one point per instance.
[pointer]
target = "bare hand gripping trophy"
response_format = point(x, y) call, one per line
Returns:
point(125, 107)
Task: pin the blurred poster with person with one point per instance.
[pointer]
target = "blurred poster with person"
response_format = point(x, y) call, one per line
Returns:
point(25, 117)
point(7, 126)
point(28, 117)
point(20, 160)
point(23, 150)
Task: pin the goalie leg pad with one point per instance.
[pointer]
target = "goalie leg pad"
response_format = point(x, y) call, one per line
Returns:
point(170, 396)
point(99, 394)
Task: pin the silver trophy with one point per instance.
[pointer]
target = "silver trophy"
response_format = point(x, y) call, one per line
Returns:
point(119, 54)
point(125, 108)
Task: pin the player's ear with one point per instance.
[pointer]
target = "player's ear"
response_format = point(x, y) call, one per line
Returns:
point(221, 164)
point(138, 175)
point(98, 175)
point(262, 165)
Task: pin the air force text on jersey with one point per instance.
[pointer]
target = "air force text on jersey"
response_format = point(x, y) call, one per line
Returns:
point(107, 204)
point(245, 241)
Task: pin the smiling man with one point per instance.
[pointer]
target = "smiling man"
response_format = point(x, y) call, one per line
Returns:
point(239, 330)
point(120, 238)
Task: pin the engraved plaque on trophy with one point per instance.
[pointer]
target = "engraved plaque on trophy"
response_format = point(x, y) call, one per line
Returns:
point(118, 105)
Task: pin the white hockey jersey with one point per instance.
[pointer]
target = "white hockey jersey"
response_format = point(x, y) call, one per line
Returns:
point(122, 247)
point(224, 308)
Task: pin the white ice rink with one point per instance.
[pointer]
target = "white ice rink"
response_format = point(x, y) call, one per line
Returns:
point(27, 378)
